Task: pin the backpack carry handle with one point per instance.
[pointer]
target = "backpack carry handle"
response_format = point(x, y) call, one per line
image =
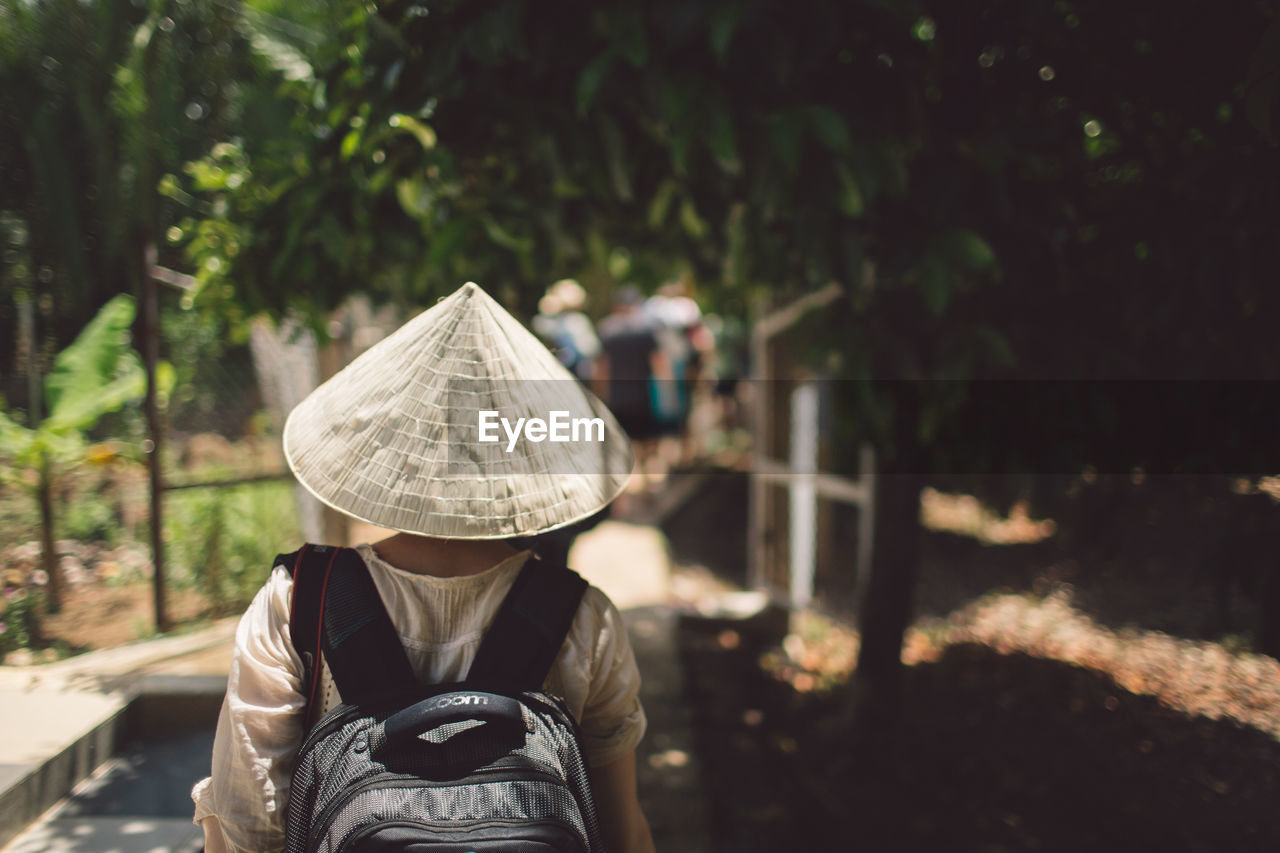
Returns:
point(453, 707)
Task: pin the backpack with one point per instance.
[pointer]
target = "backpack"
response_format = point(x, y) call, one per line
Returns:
point(488, 765)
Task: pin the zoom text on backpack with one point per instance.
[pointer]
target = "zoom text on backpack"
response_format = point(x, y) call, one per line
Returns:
point(491, 765)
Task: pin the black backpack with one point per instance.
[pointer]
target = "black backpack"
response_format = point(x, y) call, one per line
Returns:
point(491, 764)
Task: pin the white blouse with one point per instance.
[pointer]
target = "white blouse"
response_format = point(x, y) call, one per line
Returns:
point(441, 621)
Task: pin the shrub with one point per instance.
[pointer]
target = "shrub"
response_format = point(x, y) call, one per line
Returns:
point(224, 539)
point(20, 607)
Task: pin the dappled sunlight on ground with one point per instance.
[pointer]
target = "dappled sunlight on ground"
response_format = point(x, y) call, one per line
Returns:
point(989, 750)
point(1060, 693)
point(966, 515)
point(1197, 677)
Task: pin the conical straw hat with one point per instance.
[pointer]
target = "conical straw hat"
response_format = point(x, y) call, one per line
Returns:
point(395, 438)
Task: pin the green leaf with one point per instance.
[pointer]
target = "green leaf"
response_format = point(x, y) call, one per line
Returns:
point(69, 447)
point(829, 127)
point(785, 133)
point(565, 187)
point(735, 266)
point(680, 144)
point(849, 194)
point(693, 224)
point(615, 156)
point(995, 347)
point(14, 438)
point(724, 144)
point(93, 359)
point(724, 20)
point(425, 135)
point(934, 281)
point(280, 55)
point(631, 41)
point(81, 411)
point(350, 143)
point(414, 197)
point(503, 237)
point(966, 249)
point(590, 81)
point(662, 202)
point(166, 378)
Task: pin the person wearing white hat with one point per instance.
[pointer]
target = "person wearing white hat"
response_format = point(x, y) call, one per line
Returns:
point(458, 432)
point(566, 330)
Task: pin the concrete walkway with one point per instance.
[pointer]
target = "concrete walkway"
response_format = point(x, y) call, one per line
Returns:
point(60, 722)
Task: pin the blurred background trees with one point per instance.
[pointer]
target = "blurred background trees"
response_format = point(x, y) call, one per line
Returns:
point(100, 103)
point(1030, 191)
point(994, 183)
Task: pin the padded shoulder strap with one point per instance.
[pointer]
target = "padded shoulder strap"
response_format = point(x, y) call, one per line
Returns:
point(337, 612)
point(309, 567)
point(529, 628)
point(361, 645)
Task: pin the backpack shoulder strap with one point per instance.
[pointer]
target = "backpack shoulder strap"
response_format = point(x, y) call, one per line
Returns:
point(337, 612)
point(309, 566)
point(526, 634)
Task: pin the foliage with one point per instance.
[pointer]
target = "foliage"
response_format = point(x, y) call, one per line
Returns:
point(97, 102)
point(983, 179)
point(213, 372)
point(89, 518)
point(18, 516)
point(757, 148)
point(994, 184)
point(224, 538)
point(20, 617)
point(97, 374)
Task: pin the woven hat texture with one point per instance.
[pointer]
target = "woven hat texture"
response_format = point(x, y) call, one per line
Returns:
point(394, 438)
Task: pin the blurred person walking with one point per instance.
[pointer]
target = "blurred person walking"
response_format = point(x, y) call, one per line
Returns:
point(686, 341)
point(631, 361)
point(566, 330)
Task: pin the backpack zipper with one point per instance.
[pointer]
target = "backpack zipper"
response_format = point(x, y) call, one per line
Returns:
point(555, 706)
point(335, 719)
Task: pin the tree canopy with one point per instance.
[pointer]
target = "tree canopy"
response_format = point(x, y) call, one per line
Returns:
point(1043, 190)
point(98, 101)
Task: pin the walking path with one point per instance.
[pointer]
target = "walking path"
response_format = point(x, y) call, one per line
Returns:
point(58, 722)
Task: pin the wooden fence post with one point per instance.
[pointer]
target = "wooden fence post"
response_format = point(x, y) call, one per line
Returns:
point(155, 429)
point(802, 537)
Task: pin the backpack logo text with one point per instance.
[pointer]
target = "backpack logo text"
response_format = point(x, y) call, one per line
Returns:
point(451, 701)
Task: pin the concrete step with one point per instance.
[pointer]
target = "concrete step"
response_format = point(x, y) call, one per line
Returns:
point(60, 722)
point(51, 743)
point(140, 799)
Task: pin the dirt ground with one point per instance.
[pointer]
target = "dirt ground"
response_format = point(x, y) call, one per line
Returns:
point(102, 615)
point(989, 752)
point(1027, 721)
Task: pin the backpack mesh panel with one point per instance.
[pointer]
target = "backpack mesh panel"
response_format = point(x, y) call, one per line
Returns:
point(518, 802)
